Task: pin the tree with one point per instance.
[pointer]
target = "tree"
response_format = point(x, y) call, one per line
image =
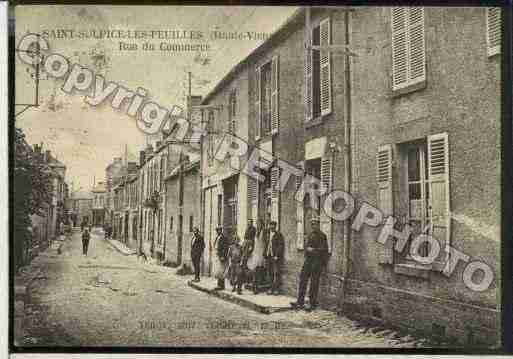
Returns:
point(32, 191)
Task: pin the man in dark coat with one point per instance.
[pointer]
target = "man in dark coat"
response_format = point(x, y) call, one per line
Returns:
point(275, 254)
point(249, 242)
point(85, 240)
point(197, 247)
point(222, 244)
point(316, 256)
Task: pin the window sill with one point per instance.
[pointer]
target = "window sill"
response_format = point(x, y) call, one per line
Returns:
point(409, 89)
point(413, 270)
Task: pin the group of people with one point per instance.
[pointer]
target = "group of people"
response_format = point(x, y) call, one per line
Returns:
point(258, 260)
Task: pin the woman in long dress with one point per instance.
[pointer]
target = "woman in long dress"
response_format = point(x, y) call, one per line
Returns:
point(256, 260)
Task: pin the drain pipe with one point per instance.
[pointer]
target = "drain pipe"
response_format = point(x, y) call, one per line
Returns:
point(347, 160)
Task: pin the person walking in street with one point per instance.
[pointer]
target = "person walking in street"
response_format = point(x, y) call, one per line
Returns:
point(275, 254)
point(221, 244)
point(316, 257)
point(86, 236)
point(235, 267)
point(197, 247)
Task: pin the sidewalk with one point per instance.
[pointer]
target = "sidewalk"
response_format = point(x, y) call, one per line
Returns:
point(121, 247)
point(261, 302)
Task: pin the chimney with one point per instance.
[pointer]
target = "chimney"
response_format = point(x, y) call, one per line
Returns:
point(142, 158)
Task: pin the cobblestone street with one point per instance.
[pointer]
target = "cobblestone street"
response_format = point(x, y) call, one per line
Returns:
point(109, 299)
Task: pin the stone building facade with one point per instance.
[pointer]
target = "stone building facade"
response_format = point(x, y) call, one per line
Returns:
point(419, 101)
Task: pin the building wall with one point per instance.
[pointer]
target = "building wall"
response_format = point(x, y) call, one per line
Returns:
point(191, 207)
point(462, 100)
point(172, 211)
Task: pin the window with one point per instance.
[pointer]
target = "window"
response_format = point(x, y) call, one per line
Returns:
point(423, 170)
point(171, 223)
point(408, 47)
point(265, 122)
point(232, 110)
point(318, 72)
point(191, 223)
point(493, 30)
point(267, 98)
point(162, 173)
point(211, 138)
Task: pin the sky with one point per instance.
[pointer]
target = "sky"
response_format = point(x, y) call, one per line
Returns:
point(87, 138)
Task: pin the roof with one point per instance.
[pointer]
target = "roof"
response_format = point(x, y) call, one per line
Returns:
point(294, 19)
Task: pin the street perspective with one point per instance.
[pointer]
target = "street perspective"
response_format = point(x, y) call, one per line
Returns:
point(256, 177)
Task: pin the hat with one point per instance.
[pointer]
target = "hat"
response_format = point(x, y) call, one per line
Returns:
point(315, 219)
point(273, 222)
point(219, 227)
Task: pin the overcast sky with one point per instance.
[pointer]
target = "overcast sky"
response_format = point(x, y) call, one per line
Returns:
point(86, 138)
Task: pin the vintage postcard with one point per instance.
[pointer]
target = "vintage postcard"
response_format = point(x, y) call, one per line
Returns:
point(256, 177)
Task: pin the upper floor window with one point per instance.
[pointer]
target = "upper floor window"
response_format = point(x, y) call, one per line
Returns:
point(267, 98)
point(162, 171)
point(493, 30)
point(211, 138)
point(232, 112)
point(408, 47)
point(318, 71)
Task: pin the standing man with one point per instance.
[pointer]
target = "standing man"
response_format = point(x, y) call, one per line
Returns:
point(275, 254)
point(197, 247)
point(249, 243)
point(221, 244)
point(85, 240)
point(316, 256)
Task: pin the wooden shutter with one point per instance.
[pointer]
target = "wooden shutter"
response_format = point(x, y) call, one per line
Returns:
point(258, 107)
point(416, 45)
point(275, 98)
point(385, 198)
point(326, 183)
point(325, 67)
point(308, 78)
point(399, 48)
point(439, 199)
point(408, 47)
point(493, 30)
point(384, 178)
point(275, 195)
point(300, 216)
point(253, 199)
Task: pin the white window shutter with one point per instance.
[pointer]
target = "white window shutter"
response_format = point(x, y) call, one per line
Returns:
point(325, 67)
point(308, 79)
point(275, 98)
point(326, 183)
point(253, 199)
point(399, 48)
point(258, 107)
point(439, 199)
point(416, 45)
point(385, 198)
point(384, 178)
point(300, 215)
point(275, 195)
point(493, 30)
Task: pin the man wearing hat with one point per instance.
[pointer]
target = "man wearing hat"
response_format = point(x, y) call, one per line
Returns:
point(197, 247)
point(316, 255)
point(275, 253)
point(221, 244)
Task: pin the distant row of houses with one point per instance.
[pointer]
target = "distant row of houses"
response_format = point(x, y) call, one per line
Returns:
point(408, 121)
